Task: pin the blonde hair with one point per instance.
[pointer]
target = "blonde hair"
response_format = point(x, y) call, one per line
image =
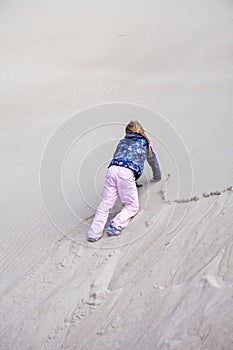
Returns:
point(135, 126)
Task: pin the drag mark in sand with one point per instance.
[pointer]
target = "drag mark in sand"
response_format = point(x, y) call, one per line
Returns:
point(99, 288)
point(196, 198)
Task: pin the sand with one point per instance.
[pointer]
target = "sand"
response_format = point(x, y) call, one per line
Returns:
point(72, 75)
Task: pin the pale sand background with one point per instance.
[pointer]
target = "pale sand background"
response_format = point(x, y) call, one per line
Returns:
point(163, 291)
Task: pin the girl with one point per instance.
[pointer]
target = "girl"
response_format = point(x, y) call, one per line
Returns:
point(124, 169)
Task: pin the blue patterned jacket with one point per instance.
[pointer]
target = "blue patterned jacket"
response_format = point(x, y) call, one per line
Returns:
point(132, 152)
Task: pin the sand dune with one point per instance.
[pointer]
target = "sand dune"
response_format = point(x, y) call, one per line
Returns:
point(72, 75)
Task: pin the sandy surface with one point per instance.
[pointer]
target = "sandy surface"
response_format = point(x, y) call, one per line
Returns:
point(166, 283)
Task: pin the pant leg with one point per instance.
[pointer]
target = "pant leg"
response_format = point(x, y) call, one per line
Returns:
point(109, 197)
point(129, 197)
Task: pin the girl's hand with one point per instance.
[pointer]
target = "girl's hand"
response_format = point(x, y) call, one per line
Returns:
point(153, 180)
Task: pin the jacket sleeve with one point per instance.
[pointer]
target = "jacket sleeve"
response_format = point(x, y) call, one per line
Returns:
point(153, 162)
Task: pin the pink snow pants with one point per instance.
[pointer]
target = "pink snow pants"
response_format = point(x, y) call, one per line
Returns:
point(119, 182)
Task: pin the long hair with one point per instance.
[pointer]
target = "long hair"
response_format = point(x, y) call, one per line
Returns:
point(135, 126)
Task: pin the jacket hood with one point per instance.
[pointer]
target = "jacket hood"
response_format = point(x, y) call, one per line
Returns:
point(134, 136)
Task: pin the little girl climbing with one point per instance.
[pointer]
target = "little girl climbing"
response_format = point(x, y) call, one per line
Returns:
point(124, 169)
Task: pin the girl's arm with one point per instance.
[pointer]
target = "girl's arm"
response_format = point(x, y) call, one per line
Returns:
point(153, 162)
